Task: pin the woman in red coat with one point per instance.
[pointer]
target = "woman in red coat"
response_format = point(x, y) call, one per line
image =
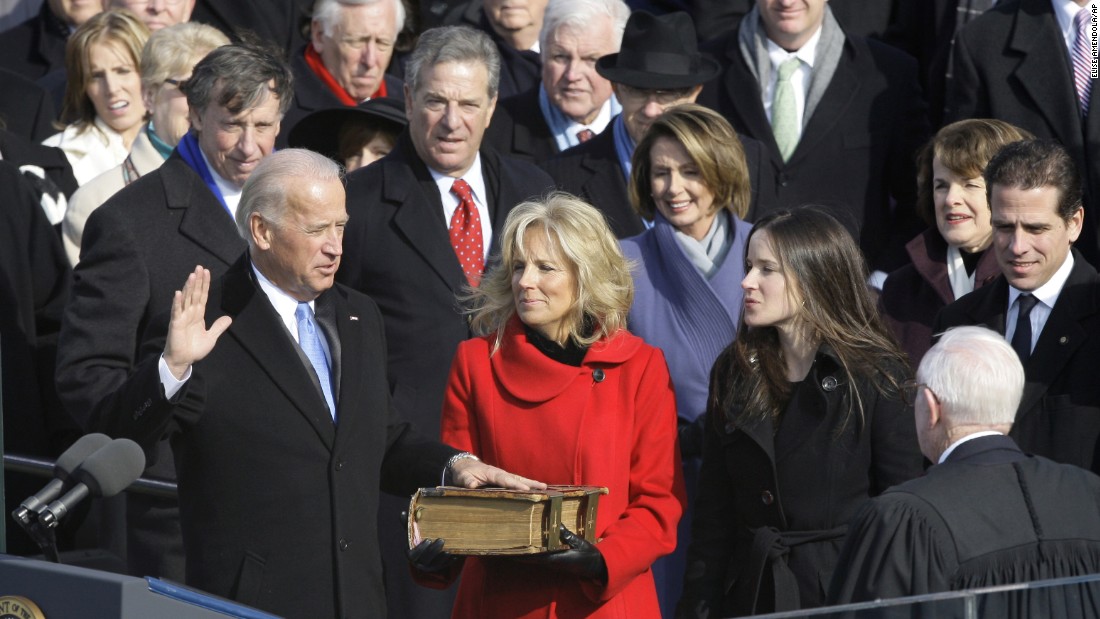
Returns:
point(559, 391)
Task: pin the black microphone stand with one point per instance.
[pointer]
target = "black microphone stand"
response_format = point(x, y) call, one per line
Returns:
point(41, 534)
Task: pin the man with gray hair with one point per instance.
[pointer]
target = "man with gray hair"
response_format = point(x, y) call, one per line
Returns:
point(143, 242)
point(574, 102)
point(422, 225)
point(279, 483)
point(986, 513)
point(345, 61)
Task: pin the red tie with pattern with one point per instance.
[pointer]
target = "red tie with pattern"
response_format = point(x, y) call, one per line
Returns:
point(585, 134)
point(466, 233)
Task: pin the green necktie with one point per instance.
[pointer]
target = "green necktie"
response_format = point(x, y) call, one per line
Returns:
point(784, 111)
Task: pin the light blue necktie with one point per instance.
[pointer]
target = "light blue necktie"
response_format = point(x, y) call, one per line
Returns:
point(310, 341)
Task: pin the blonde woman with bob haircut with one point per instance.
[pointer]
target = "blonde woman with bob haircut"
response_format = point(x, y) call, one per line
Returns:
point(103, 103)
point(557, 387)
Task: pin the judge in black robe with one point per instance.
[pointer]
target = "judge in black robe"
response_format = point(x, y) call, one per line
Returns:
point(986, 515)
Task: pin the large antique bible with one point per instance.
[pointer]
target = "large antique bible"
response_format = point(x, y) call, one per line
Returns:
point(494, 521)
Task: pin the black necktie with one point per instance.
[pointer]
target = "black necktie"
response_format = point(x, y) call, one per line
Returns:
point(1021, 339)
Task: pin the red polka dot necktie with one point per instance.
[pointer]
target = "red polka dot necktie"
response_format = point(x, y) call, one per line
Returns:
point(585, 134)
point(466, 233)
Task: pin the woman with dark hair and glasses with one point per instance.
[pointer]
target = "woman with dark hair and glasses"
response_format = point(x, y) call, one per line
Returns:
point(806, 420)
point(949, 259)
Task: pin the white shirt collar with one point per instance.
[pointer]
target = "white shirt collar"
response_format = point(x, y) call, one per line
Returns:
point(1048, 292)
point(807, 53)
point(473, 178)
point(284, 304)
point(231, 193)
point(968, 437)
point(1064, 12)
point(599, 123)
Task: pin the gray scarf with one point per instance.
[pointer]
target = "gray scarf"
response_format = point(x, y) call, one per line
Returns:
point(709, 253)
point(754, 50)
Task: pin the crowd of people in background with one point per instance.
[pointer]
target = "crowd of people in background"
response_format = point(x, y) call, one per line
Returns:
point(793, 279)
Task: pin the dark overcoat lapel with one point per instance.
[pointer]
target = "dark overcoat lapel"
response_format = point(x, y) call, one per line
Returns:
point(260, 332)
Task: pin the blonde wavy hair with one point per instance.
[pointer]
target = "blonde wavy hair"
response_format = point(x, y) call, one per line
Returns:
point(604, 288)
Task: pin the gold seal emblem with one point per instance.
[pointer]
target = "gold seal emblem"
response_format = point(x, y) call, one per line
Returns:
point(17, 607)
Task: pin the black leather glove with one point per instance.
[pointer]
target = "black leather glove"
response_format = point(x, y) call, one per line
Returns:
point(428, 556)
point(581, 559)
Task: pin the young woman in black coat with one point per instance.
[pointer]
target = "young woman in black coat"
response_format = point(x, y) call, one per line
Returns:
point(806, 420)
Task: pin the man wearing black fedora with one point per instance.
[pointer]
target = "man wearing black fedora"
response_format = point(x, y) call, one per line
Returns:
point(840, 117)
point(658, 66)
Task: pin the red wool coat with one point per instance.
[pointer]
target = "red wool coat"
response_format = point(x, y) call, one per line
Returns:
point(610, 422)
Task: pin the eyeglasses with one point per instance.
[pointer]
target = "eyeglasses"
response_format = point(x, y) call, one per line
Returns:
point(662, 97)
point(911, 389)
point(175, 82)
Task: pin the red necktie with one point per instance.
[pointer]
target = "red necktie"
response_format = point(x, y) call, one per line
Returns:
point(585, 134)
point(466, 233)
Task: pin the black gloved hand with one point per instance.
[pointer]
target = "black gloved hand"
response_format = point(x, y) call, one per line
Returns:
point(428, 556)
point(581, 559)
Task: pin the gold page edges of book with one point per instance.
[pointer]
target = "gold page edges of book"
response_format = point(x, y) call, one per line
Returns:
point(495, 521)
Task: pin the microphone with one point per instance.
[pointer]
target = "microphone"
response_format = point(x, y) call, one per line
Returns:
point(104, 474)
point(68, 462)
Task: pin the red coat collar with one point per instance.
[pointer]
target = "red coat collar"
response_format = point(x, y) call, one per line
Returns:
point(527, 374)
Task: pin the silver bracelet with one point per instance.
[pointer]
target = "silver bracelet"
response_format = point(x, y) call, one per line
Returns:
point(462, 455)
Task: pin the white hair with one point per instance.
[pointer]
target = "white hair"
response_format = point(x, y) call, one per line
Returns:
point(327, 13)
point(580, 14)
point(976, 375)
point(266, 188)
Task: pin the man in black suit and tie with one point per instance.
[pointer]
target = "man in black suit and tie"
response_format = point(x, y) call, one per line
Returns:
point(143, 242)
point(279, 481)
point(1029, 62)
point(422, 225)
point(657, 67)
point(573, 102)
point(986, 513)
point(1046, 301)
point(839, 116)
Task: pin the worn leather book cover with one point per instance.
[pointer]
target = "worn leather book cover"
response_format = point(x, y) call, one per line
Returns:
point(495, 521)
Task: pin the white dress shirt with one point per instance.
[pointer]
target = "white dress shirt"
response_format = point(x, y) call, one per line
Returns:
point(285, 306)
point(1064, 12)
point(476, 181)
point(1047, 295)
point(800, 81)
point(968, 437)
point(230, 192)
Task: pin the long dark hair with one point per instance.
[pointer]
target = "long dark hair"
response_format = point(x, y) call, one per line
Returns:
point(824, 267)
